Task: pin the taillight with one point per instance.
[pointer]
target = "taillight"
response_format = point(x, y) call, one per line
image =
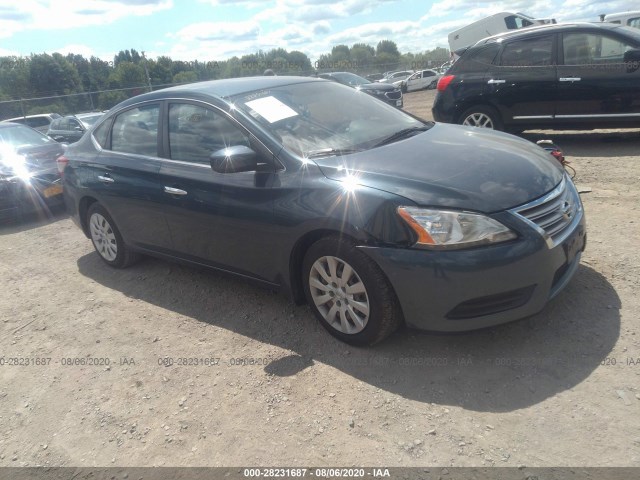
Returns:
point(444, 82)
point(62, 162)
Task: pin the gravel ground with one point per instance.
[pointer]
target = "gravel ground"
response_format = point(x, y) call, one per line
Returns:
point(271, 387)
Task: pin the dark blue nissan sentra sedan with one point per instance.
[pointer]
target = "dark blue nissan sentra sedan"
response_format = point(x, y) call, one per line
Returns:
point(373, 217)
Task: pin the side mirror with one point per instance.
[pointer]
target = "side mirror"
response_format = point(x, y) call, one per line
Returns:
point(234, 159)
point(632, 55)
point(78, 129)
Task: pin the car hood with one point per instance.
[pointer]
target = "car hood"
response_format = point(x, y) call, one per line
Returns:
point(384, 87)
point(450, 166)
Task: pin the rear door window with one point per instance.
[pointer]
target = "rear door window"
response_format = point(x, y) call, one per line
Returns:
point(477, 59)
point(531, 52)
point(136, 131)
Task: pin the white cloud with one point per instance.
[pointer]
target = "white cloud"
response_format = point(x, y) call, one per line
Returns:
point(62, 14)
point(217, 31)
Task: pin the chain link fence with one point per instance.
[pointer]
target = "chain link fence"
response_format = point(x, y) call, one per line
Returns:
point(104, 99)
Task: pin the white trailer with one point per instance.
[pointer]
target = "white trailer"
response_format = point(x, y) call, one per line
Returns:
point(492, 25)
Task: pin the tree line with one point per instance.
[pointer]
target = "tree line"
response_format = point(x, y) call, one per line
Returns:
point(42, 83)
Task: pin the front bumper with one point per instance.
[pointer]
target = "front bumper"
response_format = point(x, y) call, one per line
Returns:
point(450, 291)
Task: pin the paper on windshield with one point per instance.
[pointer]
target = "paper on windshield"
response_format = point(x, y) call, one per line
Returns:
point(271, 109)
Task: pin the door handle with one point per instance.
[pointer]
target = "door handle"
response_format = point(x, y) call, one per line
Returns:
point(570, 79)
point(105, 178)
point(493, 81)
point(174, 191)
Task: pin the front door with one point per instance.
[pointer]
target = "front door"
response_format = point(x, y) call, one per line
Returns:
point(594, 82)
point(221, 219)
point(522, 84)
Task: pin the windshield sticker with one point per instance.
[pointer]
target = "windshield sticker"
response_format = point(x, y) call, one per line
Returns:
point(271, 109)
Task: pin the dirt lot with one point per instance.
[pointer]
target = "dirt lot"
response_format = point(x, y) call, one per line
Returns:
point(559, 389)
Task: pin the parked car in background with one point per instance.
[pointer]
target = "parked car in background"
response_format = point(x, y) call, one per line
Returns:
point(40, 122)
point(564, 76)
point(29, 178)
point(630, 19)
point(374, 77)
point(391, 94)
point(420, 80)
point(396, 77)
point(70, 129)
point(371, 215)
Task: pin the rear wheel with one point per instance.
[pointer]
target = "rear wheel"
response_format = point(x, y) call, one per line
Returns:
point(349, 293)
point(107, 240)
point(481, 116)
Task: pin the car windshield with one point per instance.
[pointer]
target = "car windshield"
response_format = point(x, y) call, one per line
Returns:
point(19, 136)
point(350, 78)
point(307, 118)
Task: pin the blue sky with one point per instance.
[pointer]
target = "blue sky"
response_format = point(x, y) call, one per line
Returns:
point(218, 29)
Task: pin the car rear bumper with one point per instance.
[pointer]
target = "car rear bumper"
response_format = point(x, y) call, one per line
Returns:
point(471, 289)
point(21, 197)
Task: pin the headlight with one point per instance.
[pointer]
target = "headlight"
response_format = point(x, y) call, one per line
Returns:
point(444, 229)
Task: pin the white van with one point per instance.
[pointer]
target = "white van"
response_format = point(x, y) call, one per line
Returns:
point(492, 25)
point(630, 19)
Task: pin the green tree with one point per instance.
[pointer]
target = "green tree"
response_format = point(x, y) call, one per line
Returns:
point(389, 47)
point(185, 77)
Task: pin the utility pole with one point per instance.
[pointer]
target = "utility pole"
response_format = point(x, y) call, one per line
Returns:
point(146, 71)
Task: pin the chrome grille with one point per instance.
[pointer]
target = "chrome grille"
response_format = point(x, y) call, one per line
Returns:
point(555, 213)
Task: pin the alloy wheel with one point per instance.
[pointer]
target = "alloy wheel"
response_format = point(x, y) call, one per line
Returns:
point(339, 295)
point(103, 237)
point(481, 120)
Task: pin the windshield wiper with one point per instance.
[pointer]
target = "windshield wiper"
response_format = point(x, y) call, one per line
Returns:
point(404, 133)
point(327, 152)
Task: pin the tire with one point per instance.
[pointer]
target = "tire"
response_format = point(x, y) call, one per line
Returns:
point(368, 313)
point(481, 116)
point(403, 88)
point(107, 240)
point(432, 85)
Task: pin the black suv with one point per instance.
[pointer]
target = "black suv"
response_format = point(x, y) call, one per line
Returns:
point(70, 129)
point(565, 76)
point(386, 92)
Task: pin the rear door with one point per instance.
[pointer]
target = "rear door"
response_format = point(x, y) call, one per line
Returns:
point(223, 219)
point(594, 82)
point(522, 83)
point(125, 177)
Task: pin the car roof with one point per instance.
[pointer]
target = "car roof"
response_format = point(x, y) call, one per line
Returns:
point(554, 28)
point(39, 115)
point(226, 88)
point(87, 114)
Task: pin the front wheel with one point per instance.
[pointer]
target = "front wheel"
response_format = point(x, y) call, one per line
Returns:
point(481, 116)
point(107, 240)
point(348, 292)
